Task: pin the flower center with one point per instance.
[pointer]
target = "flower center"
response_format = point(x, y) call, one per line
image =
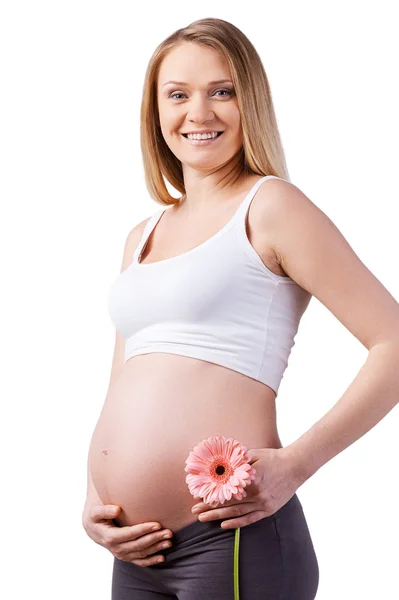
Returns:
point(220, 469)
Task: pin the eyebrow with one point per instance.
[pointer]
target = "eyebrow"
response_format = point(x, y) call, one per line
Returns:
point(210, 83)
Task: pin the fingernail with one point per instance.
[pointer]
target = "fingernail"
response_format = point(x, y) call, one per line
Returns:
point(155, 528)
point(195, 509)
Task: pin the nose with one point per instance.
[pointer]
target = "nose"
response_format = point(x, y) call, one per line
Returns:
point(199, 110)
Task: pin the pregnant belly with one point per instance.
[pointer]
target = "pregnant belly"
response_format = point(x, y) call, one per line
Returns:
point(161, 406)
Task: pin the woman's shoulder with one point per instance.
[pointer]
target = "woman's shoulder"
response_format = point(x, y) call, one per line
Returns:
point(132, 241)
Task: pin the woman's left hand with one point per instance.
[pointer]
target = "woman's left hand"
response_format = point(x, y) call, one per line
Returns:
point(275, 483)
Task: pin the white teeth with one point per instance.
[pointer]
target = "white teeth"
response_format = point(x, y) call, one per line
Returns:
point(203, 136)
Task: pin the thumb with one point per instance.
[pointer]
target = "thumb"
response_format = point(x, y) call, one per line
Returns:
point(109, 511)
point(253, 455)
point(113, 509)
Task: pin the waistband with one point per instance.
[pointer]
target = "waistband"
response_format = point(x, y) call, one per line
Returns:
point(209, 528)
point(195, 529)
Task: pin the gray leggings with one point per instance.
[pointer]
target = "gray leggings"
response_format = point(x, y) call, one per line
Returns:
point(277, 561)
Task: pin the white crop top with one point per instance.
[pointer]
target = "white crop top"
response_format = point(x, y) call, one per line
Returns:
point(217, 302)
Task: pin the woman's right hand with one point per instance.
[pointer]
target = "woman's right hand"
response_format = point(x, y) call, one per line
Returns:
point(133, 543)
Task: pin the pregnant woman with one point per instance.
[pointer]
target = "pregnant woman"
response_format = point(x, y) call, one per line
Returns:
point(206, 309)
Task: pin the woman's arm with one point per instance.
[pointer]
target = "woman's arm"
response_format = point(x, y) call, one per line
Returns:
point(371, 395)
point(314, 253)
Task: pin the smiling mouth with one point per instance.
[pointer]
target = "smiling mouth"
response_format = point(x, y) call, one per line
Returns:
point(219, 133)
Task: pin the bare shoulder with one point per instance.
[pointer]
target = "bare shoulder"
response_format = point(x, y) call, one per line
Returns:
point(271, 203)
point(296, 228)
point(314, 253)
point(134, 235)
point(277, 197)
point(132, 241)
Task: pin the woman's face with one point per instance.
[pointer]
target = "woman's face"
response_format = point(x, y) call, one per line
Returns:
point(196, 104)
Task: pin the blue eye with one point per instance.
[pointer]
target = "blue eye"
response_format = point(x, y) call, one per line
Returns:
point(229, 92)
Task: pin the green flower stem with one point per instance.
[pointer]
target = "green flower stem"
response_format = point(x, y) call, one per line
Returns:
point(236, 555)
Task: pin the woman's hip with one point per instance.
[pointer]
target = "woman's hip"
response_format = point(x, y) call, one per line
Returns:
point(276, 560)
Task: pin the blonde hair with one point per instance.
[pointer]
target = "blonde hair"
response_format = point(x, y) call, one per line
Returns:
point(262, 151)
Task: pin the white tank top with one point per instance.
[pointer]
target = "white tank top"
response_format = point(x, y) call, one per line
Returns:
point(217, 302)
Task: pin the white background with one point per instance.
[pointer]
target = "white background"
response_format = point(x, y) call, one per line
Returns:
point(72, 187)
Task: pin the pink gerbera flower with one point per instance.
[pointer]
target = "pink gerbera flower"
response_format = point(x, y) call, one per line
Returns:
point(218, 470)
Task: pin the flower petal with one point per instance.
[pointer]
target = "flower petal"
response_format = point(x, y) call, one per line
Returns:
point(201, 464)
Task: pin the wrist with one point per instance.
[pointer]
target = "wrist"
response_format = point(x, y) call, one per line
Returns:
point(297, 464)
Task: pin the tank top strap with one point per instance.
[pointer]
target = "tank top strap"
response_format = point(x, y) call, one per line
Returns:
point(152, 221)
point(240, 214)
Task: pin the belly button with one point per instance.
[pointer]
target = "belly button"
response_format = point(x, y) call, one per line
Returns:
point(105, 452)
